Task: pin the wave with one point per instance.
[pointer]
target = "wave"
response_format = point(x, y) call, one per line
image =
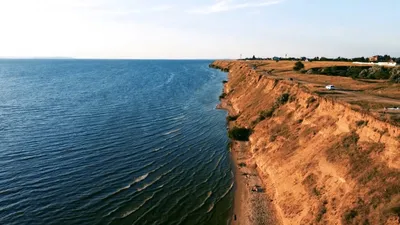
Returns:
point(172, 131)
point(137, 207)
point(155, 180)
point(170, 78)
point(137, 180)
point(227, 191)
point(209, 193)
point(211, 207)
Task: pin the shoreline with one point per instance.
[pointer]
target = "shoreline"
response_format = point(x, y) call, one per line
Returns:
point(252, 205)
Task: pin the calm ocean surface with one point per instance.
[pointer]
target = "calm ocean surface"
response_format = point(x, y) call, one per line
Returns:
point(112, 142)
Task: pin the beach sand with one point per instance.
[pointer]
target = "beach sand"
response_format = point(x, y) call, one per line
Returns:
point(252, 205)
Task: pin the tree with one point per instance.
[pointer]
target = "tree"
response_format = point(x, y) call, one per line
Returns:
point(386, 58)
point(298, 66)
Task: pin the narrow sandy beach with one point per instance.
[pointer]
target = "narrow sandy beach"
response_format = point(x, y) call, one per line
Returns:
point(252, 205)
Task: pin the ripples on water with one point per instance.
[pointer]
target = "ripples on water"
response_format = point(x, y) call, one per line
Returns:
point(112, 142)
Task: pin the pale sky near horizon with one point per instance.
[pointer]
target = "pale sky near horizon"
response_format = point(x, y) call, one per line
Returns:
point(198, 29)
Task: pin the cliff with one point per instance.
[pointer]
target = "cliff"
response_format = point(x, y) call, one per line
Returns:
point(322, 162)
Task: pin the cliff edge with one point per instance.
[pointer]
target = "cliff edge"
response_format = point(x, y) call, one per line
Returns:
point(321, 160)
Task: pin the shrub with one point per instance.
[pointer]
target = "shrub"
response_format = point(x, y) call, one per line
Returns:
point(272, 138)
point(350, 215)
point(298, 66)
point(240, 134)
point(283, 99)
point(316, 191)
point(222, 96)
point(321, 213)
point(311, 100)
point(267, 113)
point(361, 123)
point(232, 118)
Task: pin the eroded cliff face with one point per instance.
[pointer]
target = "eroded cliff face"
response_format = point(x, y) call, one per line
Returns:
point(321, 161)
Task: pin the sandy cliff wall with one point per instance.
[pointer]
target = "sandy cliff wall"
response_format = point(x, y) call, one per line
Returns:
point(321, 161)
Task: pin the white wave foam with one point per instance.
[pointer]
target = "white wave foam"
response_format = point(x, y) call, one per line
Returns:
point(141, 178)
point(148, 184)
point(137, 180)
point(157, 149)
point(227, 191)
point(172, 131)
point(170, 78)
point(210, 207)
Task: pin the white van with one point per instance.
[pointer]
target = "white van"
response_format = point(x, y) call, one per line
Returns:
point(330, 87)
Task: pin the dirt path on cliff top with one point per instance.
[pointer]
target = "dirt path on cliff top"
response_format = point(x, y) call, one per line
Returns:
point(252, 205)
point(346, 95)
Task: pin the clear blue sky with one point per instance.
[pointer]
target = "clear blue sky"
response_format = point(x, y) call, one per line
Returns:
point(198, 28)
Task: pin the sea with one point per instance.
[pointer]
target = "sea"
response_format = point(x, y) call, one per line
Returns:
point(113, 142)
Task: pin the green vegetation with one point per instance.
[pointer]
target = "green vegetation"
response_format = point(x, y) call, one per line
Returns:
point(316, 191)
point(395, 75)
point(350, 215)
point(361, 123)
point(283, 99)
point(242, 164)
point(218, 67)
point(267, 113)
point(240, 134)
point(380, 58)
point(232, 118)
point(298, 66)
point(272, 138)
point(222, 96)
point(229, 146)
point(263, 115)
point(359, 72)
point(311, 100)
point(321, 212)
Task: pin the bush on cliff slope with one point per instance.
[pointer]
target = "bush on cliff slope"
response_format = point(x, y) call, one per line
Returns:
point(240, 134)
point(283, 99)
point(232, 118)
point(222, 96)
point(298, 66)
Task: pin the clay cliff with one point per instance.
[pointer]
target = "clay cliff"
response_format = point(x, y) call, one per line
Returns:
point(322, 162)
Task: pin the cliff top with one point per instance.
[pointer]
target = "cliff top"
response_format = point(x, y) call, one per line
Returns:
point(368, 93)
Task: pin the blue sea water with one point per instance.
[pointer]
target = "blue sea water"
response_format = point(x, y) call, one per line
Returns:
point(112, 142)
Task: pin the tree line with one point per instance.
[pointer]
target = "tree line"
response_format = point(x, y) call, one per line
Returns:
point(380, 58)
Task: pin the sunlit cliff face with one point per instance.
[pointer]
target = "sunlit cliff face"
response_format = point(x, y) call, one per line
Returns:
point(323, 161)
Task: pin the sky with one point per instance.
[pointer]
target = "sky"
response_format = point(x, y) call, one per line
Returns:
point(198, 29)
